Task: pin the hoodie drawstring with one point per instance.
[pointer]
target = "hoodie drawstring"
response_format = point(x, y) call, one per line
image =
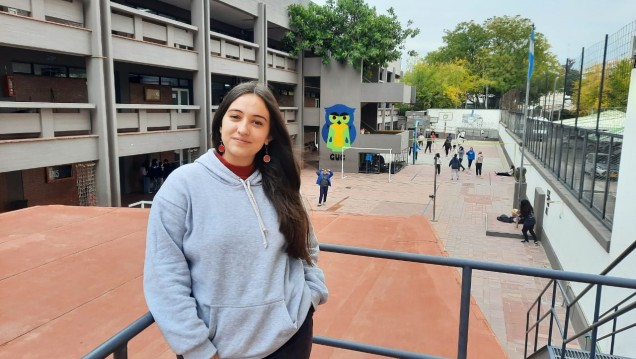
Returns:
point(250, 195)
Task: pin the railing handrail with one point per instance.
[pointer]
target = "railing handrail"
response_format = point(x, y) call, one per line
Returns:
point(124, 336)
point(233, 39)
point(64, 105)
point(143, 106)
point(607, 269)
point(158, 18)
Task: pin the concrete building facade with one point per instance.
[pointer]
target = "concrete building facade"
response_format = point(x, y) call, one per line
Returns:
point(93, 89)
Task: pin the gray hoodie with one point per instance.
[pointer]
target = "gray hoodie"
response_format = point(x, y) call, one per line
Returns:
point(216, 275)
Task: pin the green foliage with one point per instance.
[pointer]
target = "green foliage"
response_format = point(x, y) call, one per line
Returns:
point(615, 87)
point(347, 31)
point(441, 85)
point(495, 53)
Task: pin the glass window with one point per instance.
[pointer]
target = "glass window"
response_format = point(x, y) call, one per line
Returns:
point(76, 72)
point(49, 70)
point(170, 81)
point(149, 80)
point(21, 68)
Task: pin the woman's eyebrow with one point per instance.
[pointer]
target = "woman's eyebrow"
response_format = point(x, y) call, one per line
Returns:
point(255, 115)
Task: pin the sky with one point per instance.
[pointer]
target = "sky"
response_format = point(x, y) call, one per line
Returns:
point(568, 25)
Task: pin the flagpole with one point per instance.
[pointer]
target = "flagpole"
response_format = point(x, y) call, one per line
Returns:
point(525, 115)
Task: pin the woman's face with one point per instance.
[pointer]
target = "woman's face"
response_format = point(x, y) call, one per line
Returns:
point(245, 129)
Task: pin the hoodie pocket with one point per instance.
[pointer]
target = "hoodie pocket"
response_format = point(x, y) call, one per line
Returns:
point(252, 331)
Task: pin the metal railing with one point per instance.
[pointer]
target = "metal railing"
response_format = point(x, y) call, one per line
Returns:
point(117, 344)
point(586, 161)
point(610, 315)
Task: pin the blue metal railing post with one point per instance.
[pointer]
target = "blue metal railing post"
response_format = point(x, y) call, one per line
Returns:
point(554, 288)
point(597, 310)
point(121, 352)
point(464, 313)
point(613, 332)
point(536, 328)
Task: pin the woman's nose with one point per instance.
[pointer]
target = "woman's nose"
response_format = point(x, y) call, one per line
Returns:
point(243, 127)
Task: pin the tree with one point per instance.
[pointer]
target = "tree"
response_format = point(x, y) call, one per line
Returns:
point(347, 31)
point(442, 85)
point(496, 53)
point(615, 86)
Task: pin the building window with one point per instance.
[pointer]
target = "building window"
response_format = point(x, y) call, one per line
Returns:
point(49, 70)
point(56, 173)
point(21, 68)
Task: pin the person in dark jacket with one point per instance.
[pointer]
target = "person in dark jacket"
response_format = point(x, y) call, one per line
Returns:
point(454, 165)
point(526, 217)
point(324, 181)
point(155, 174)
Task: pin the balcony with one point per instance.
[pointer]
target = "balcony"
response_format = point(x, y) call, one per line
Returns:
point(282, 66)
point(52, 133)
point(289, 117)
point(144, 38)
point(42, 29)
point(233, 56)
point(153, 128)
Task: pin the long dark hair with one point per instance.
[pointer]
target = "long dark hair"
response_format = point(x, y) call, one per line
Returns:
point(525, 208)
point(281, 176)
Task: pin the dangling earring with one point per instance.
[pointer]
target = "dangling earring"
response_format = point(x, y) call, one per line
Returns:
point(267, 157)
point(221, 147)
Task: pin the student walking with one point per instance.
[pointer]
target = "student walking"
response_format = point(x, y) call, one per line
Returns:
point(438, 163)
point(460, 156)
point(324, 181)
point(429, 143)
point(454, 165)
point(526, 216)
point(470, 156)
point(447, 145)
point(479, 163)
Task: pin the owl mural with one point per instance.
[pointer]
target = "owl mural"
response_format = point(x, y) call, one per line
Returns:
point(339, 129)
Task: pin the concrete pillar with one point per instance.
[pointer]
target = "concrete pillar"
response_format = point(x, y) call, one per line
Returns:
point(539, 210)
point(202, 93)
point(519, 193)
point(37, 9)
point(260, 37)
point(97, 89)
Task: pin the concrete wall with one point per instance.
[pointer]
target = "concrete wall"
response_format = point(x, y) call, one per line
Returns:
point(448, 120)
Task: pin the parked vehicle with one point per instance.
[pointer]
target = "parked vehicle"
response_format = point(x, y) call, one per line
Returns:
point(603, 165)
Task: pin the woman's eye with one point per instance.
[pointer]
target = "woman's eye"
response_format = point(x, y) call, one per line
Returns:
point(258, 123)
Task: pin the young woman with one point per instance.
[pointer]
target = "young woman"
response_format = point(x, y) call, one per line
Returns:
point(324, 181)
point(438, 163)
point(479, 163)
point(526, 217)
point(230, 268)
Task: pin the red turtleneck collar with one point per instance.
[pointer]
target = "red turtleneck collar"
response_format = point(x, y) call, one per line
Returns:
point(242, 171)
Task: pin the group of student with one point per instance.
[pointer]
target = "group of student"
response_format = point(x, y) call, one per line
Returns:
point(154, 174)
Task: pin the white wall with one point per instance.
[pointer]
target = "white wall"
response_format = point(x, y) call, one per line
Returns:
point(574, 245)
point(623, 230)
point(464, 118)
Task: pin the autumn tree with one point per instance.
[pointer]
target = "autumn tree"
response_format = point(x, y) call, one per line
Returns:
point(348, 31)
point(615, 87)
point(441, 85)
point(496, 53)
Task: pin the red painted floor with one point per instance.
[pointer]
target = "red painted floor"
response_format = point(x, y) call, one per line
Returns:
point(71, 277)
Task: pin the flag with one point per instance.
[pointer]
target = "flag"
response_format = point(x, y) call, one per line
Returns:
point(531, 54)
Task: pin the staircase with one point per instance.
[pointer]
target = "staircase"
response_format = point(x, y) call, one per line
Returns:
point(551, 352)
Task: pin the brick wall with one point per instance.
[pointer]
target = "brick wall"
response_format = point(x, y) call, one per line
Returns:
point(39, 192)
point(30, 88)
